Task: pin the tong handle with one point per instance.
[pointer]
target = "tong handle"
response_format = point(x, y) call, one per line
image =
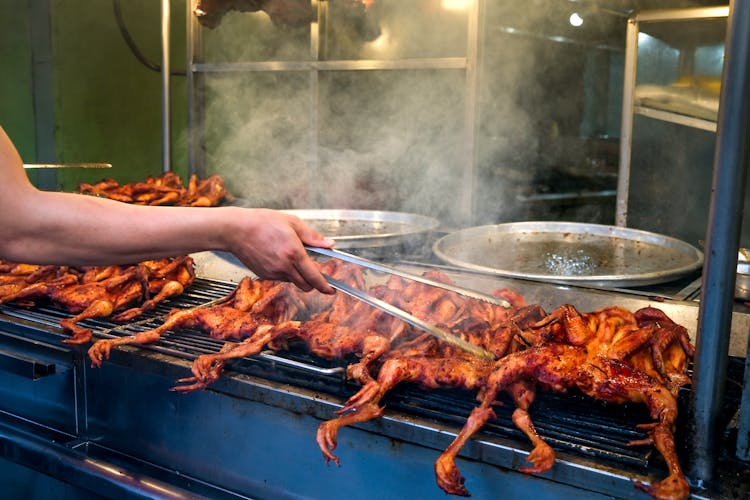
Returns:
point(375, 266)
point(409, 318)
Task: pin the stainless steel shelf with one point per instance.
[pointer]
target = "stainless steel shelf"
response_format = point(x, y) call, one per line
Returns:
point(341, 65)
point(672, 117)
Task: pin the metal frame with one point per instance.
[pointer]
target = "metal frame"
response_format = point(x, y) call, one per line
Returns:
point(197, 68)
point(722, 242)
point(166, 136)
point(628, 95)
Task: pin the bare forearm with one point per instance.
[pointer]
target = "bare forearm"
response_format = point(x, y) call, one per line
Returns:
point(77, 229)
point(73, 229)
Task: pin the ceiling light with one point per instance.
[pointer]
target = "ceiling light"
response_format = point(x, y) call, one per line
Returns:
point(575, 19)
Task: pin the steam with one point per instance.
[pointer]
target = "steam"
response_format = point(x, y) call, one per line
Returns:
point(381, 139)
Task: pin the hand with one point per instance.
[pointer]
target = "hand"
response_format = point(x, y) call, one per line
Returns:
point(271, 245)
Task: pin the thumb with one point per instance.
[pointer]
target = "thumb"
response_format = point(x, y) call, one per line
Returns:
point(312, 237)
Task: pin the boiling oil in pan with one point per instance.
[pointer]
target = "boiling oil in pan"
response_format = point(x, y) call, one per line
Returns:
point(578, 255)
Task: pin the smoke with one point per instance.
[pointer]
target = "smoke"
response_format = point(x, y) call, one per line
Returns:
point(389, 139)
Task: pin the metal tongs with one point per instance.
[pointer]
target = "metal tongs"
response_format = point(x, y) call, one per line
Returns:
point(400, 313)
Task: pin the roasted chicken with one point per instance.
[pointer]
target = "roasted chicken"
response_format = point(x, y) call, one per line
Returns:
point(252, 304)
point(612, 354)
point(431, 364)
point(560, 367)
point(166, 189)
point(95, 292)
point(609, 338)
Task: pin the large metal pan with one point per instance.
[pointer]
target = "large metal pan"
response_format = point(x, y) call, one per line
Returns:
point(368, 228)
point(570, 252)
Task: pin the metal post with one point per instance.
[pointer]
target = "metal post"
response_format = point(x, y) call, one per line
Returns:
point(722, 242)
point(165, 94)
point(44, 106)
point(475, 20)
point(626, 128)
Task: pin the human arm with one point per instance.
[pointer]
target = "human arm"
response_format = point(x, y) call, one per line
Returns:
point(67, 228)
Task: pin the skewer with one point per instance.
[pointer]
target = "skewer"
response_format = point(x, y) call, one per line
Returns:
point(375, 266)
point(67, 165)
point(412, 320)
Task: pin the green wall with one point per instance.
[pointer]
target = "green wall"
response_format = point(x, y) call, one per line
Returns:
point(107, 105)
point(16, 105)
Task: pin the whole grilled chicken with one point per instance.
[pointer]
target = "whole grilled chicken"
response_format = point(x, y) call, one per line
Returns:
point(225, 320)
point(560, 367)
point(348, 326)
point(432, 364)
point(24, 283)
point(209, 192)
point(647, 343)
point(251, 304)
point(99, 291)
point(166, 278)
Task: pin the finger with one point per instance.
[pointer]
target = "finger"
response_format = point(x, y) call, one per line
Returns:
point(312, 275)
point(310, 236)
point(299, 281)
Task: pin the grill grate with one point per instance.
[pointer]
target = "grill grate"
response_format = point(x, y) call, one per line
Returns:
point(570, 422)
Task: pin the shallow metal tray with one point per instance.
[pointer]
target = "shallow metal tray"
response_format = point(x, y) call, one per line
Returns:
point(367, 228)
point(570, 252)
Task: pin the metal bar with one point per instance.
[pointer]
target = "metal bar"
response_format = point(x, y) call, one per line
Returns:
point(318, 44)
point(361, 261)
point(347, 65)
point(77, 468)
point(412, 320)
point(722, 243)
point(271, 356)
point(196, 90)
point(510, 30)
point(682, 14)
point(67, 165)
point(576, 195)
point(166, 129)
point(25, 366)
point(626, 127)
point(667, 116)
point(475, 20)
point(43, 91)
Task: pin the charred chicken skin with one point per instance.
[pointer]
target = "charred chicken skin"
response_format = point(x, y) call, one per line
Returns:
point(95, 292)
point(611, 354)
point(166, 189)
point(561, 367)
point(431, 364)
point(346, 327)
point(257, 312)
point(609, 337)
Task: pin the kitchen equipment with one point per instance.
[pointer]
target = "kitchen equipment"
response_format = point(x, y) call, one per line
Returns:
point(356, 229)
point(264, 411)
point(570, 252)
point(413, 277)
point(742, 281)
